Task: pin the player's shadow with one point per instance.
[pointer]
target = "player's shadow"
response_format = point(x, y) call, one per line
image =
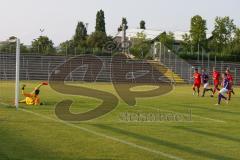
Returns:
point(210, 134)
point(197, 152)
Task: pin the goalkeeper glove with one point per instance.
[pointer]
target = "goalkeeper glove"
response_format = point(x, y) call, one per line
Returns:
point(23, 87)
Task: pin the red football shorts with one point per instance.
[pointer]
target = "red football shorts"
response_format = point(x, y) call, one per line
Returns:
point(216, 83)
point(197, 84)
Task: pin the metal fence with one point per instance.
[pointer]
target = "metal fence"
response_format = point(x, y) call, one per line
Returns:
point(220, 66)
point(173, 62)
point(185, 68)
point(39, 67)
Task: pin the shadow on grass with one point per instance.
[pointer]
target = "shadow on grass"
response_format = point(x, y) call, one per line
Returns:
point(215, 135)
point(165, 143)
point(207, 108)
point(3, 156)
point(16, 147)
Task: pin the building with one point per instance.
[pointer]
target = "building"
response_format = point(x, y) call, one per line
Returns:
point(153, 35)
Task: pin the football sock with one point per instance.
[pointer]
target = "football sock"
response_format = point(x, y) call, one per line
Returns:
point(220, 96)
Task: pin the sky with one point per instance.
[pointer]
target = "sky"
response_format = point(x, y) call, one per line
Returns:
point(25, 18)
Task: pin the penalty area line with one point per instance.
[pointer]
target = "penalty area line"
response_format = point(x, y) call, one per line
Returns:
point(105, 136)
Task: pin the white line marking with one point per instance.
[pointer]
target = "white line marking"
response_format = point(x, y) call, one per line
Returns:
point(211, 119)
point(105, 136)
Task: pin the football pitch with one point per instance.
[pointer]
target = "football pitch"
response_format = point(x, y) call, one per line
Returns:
point(176, 126)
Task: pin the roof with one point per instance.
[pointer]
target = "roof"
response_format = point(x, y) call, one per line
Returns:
point(178, 35)
point(152, 34)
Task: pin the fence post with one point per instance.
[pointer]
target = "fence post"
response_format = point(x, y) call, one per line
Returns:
point(28, 78)
point(190, 76)
point(160, 52)
point(169, 59)
point(215, 60)
point(132, 73)
point(152, 74)
point(202, 58)
point(221, 67)
point(175, 63)
point(208, 62)
point(235, 75)
point(49, 70)
point(164, 56)
point(181, 68)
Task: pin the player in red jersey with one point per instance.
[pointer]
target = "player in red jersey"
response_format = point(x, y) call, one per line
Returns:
point(230, 79)
point(216, 81)
point(197, 81)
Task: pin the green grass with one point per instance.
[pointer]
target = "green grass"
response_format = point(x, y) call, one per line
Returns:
point(35, 133)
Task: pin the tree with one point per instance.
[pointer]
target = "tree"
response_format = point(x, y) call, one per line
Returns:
point(80, 34)
point(78, 43)
point(222, 34)
point(67, 47)
point(198, 32)
point(187, 43)
point(100, 22)
point(141, 46)
point(97, 40)
point(235, 46)
point(43, 45)
point(124, 21)
point(237, 36)
point(142, 24)
point(167, 39)
point(10, 47)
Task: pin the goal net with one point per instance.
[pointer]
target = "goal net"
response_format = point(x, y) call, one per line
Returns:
point(9, 72)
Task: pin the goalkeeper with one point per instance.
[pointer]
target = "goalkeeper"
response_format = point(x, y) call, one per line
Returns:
point(33, 97)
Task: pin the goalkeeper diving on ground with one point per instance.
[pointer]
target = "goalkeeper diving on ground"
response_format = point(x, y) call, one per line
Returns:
point(32, 98)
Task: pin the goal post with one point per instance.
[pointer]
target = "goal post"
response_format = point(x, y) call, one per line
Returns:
point(10, 73)
point(17, 79)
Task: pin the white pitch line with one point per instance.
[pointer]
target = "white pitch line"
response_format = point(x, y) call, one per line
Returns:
point(106, 136)
point(211, 119)
point(5, 104)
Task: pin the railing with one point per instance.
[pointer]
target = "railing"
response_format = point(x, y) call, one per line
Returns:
point(173, 62)
point(34, 67)
point(220, 66)
point(185, 68)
